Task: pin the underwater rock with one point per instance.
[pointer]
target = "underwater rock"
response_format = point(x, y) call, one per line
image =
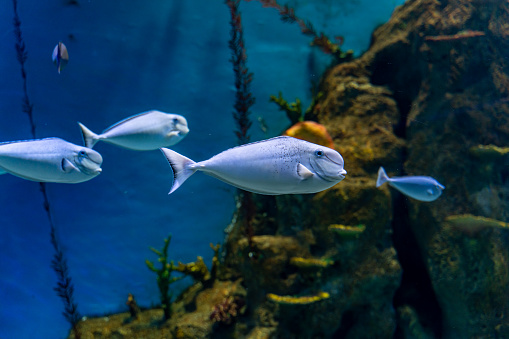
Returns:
point(451, 97)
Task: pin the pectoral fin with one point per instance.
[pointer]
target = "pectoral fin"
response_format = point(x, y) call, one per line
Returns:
point(429, 191)
point(67, 166)
point(304, 172)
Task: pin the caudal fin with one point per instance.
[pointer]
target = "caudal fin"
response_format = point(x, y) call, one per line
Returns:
point(180, 165)
point(382, 177)
point(89, 137)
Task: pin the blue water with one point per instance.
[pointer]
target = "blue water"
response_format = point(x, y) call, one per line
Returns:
point(126, 58)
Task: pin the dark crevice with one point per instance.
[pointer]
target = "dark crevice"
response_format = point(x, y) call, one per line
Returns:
point(415, 289)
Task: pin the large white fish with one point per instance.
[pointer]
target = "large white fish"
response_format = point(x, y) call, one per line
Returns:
point(142, 132)
point(281, 165)
point(49, 160)
point(418, 187)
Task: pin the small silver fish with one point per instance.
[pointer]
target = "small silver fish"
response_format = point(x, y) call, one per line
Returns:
point(418, 187)
point(60, 56)
point(142, 132)
point(49, 160)
point(281, 165)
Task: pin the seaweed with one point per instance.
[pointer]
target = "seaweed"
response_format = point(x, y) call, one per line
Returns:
point(64, 288)
point(243, 102)
point(243, 97)
point(164, 278)
point(320, 40)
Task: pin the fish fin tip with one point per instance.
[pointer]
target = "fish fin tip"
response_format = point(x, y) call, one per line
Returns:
point(303, 172)
point(181, 166)
point(382, 177)
point(89, 137)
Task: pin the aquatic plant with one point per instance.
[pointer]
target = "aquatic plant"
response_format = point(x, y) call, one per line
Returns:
point(320, 40)
point(164, 278)
point(303, 300)
point(243, 96)
point(293, 110)
point(64, 288)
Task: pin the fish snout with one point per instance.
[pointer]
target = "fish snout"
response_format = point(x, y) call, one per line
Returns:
point(184, 130)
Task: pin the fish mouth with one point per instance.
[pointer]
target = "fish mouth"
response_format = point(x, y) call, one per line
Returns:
point(90, 167)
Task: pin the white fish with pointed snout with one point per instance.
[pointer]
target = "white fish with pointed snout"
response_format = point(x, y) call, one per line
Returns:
point(281, 165)
point(418, 187)
point(142, 132)
point(49, 160)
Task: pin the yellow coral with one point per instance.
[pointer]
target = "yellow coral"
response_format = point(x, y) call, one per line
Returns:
point(344, 230)
point(489, 151)
point(304, 300)
point(310, 262)
point(474, 223)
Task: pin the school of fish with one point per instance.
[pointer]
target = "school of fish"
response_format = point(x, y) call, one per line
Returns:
point(280, 165)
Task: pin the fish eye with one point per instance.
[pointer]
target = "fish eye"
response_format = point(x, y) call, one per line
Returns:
point(319, 153)
point(175, 121)
point(82, 153)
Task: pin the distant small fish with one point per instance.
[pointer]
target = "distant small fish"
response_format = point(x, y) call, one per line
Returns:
point(142, 132)
point(418, 187)
point(281, 165)
point(60, 56)
point(49, 160)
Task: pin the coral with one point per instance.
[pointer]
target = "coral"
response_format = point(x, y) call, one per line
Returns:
point(489, 152)
point(347, 231)
point(460, 35)
point(311, 262)
point(472, 224)
point(164, 278)
point(134, 309)
point(320, 40)
point(243, 97)
point(226, 311)
point(311, 131)
point(303, 300)
point(199, 271)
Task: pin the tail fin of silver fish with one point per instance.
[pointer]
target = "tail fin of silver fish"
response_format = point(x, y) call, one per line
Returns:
point(89, 137)
point(382, 177)
point(181, 167)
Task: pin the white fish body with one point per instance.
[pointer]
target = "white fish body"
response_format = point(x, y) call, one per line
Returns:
point(418, 187)
point(281, 165)
point(49, 160)
point(142, 132)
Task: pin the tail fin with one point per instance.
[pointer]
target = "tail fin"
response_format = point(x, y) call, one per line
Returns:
point(89, 137)
point(382, 177)
point(180, 165)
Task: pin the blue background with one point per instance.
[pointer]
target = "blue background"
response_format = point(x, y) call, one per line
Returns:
point(127, 57)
